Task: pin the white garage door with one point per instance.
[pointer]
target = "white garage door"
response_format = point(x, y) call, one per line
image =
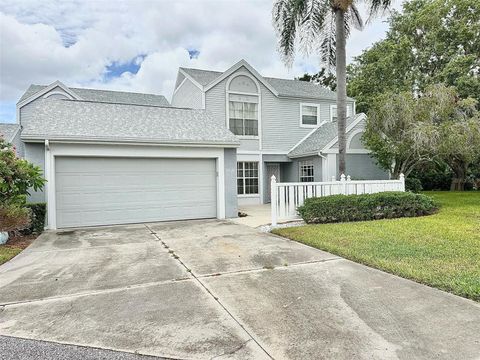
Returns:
point(104, 191)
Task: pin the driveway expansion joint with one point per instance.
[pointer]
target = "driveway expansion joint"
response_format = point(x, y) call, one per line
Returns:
point(92, 293)
point(262, 269)
point(215, 298)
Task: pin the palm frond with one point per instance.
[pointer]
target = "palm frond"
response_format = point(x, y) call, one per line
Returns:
point(377, 7)
point(355, 18)
point(328, 42)
point(286, 17)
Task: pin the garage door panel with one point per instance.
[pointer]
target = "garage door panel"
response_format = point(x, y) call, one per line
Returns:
point(101, 191)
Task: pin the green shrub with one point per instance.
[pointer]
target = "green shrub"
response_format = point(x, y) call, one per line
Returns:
point(413, 184)
point(14, 217)
point(385, 205)
point(38, 213)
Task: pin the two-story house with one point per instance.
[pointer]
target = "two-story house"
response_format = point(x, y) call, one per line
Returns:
point(286, 128)
point(114, 157)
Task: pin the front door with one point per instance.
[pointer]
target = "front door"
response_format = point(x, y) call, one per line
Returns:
point(272, 169)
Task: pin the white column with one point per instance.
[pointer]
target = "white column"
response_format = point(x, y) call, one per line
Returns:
point(273, 199)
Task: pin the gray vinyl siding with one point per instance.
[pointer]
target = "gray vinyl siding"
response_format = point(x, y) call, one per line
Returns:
point(215, 103)
point(363, 167)
point(356, 142)
point(18, 143)
point(280, 117)
point(35, 153)
point(26, 112)
point(360, 125)
point(188, 96)
point(317, 167)
point(281, 128)
point(231, 200)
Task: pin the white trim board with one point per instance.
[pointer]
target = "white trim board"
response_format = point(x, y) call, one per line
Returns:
point(302, 125)
point(234, 68)
point(52, 150)
point(359, 118)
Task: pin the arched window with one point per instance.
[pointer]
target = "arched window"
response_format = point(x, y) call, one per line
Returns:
point(243, 105)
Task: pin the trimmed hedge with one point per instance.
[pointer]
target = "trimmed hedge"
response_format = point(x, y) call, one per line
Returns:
point(385, 205)
point(38, 213)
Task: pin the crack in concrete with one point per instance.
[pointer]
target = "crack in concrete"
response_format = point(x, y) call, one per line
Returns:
point(94, 292)
point(216, 299)
point(262, 269)
point(231, 352)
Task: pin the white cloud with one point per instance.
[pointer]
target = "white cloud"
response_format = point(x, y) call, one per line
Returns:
point(74, 41)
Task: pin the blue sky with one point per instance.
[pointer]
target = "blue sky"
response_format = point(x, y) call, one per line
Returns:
point(139, 45)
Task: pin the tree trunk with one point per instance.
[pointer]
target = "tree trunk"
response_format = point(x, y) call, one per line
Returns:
point(458, 182)
point(341, 70)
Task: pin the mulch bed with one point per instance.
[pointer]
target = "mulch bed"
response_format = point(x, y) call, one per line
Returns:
point(20, 241)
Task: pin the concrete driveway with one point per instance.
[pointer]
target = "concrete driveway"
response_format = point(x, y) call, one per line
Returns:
point(215, 289)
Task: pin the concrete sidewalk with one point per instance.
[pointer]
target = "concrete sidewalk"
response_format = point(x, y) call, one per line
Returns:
point(216, 289)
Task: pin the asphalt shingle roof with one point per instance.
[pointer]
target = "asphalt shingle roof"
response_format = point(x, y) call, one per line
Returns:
point(77, 120)
point(7, 131)
point(318, 139)
point(119, 97)
point(284, 87)
point(203, 77)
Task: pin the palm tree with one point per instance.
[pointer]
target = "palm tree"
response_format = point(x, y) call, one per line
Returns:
point(322, 26)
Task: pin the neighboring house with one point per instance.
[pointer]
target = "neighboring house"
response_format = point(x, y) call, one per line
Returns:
point(286, 128)
point(11, 134)
point(116, 157)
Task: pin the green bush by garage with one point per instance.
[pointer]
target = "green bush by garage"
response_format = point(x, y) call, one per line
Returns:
point(385, 205)
point(38, 212)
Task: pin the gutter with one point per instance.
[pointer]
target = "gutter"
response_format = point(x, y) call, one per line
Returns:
point(129, 141)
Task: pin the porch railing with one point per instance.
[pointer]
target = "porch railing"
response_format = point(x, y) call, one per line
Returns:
point(287, 197)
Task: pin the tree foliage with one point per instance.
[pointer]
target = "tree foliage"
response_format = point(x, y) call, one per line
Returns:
point(17, 176)
point(323, 78)
point(431, 41)
point(403, 131)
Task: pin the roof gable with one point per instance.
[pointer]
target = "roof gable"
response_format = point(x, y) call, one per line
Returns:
point(238, 66)
point(9, 131)
point(321, 138)
point(206, 79)
point(120, 97)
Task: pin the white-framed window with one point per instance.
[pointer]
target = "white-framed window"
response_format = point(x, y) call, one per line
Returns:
point(306, 171)
point(247, 177)
point(243, 118)
point(333, 112)
point(309, 115)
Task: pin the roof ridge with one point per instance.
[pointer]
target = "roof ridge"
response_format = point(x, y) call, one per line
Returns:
point(125, 104)
point(189, 68)
point(115, 91)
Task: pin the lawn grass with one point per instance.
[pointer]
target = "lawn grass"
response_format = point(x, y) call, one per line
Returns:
point(7, 252)
point(441, 250)
point(15, 245)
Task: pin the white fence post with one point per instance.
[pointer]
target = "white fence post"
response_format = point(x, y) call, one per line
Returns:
point(344, 184)
point(273, 199)
point(402, 180)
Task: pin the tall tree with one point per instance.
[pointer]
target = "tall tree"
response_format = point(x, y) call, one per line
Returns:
point(404, 131)
point(431, 41)
point(323, 77)
point(322, 26)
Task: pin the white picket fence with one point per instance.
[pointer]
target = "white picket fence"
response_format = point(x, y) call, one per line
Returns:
point(287, 197)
